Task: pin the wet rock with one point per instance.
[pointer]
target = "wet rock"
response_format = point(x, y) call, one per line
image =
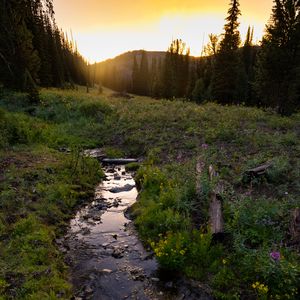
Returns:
point(169, 285)
point(115, 236)
point(115, 203)
point(154, 279)
point(110, 170)
point(97, 218)
point(85, 231)
point(117, 176)
point(118, 253)
point(88, 290)
point(106, 271)
point(125, 188)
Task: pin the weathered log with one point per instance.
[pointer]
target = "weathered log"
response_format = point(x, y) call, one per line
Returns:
point(119, 161)
point(295, 225)
point(260, 170)
point(216, 220)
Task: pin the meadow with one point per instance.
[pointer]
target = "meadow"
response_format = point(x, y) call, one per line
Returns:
point(44, 177)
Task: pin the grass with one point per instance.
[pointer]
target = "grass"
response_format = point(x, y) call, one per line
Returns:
point(41, 185)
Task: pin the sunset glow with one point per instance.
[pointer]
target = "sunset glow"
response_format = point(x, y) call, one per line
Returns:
point(105, 29)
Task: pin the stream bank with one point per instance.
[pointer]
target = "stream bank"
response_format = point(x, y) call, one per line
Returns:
point(106, 258)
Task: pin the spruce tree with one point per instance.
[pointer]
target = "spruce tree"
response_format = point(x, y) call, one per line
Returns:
point(176, 70)
point(277, 78)
point(226, 71)
point(135, 76)
point(144, 75)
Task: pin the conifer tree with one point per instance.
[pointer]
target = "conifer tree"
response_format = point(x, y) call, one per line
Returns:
point(176, 70)
point(225, 79)
point(144, 75)
point(135, 76)
point(33, 50)
point(277, 78)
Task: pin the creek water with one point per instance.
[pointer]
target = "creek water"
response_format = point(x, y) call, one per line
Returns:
point(106, 258)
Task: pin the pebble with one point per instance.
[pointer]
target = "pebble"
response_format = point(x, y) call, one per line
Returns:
point(88, 290)
point(108, 271)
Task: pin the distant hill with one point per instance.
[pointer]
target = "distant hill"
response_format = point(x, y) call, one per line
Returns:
point(119, 69)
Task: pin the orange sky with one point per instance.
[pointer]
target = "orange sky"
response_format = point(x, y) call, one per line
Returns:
point(104, 29)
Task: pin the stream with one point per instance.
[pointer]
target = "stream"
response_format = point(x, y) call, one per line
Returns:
point(106, 258)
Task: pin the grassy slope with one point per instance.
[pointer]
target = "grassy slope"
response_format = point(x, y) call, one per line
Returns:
point(171, 134)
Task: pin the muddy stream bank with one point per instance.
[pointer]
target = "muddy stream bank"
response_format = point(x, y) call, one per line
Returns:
point(106, 258)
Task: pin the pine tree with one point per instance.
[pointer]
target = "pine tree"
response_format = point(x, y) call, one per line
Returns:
point(135, 76)
point(176, 70)
point(144, 75)
point(277, 78)
point(226, 71)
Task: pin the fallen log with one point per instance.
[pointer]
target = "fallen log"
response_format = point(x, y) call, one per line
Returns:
point(260, 170)
point(119, 161)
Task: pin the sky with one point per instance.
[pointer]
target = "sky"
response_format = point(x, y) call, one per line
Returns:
point(106, 28)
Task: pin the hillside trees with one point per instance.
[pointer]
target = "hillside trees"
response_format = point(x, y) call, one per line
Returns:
point(33, 51)
point(277, 79)
point(141, 76)
point(175, 78)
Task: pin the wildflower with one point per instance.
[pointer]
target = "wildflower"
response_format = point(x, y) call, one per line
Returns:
point(275, 255)
point(224, 261)
point(204, 146)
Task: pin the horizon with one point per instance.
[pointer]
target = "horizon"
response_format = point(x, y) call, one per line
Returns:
point(105, 30)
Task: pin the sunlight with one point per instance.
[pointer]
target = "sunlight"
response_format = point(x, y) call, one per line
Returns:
point(193, 29)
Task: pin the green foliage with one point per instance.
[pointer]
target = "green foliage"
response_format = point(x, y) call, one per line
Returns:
point(277, 72)
point(171, 250)
point(43, 184)
point(257, 222)
point(132, 167)
point(40, 188)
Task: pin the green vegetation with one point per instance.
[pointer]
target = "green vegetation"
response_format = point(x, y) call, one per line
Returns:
point(40, 187)
point(41, 183)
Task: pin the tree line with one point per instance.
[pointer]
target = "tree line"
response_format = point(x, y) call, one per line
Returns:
point(34, 51)
point(229, 72)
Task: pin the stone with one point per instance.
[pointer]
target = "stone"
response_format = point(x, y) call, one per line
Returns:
point(125, 188)
point(169, 284)
point(88, 290)
point(107, 271)
point(118, 253)
point(117, 177)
